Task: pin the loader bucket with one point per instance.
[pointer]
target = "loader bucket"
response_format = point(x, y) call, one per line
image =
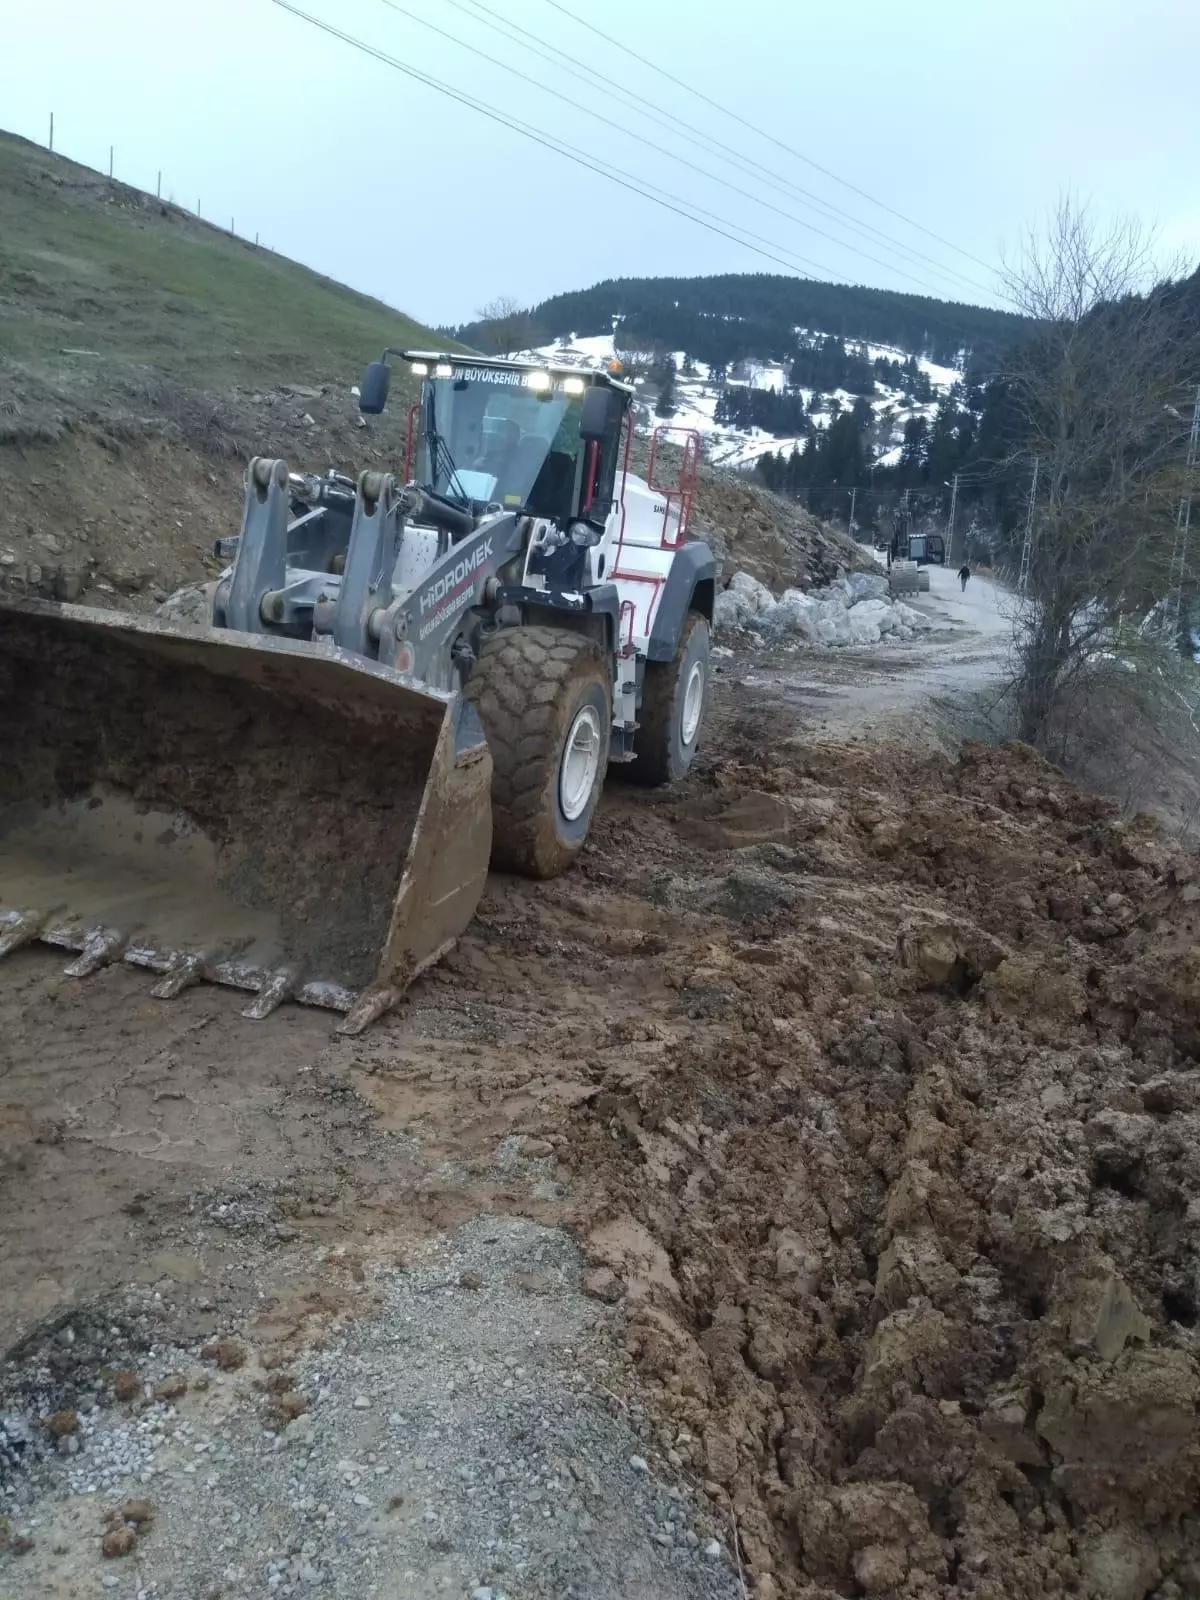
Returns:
point(239, 808)
point(904, 578)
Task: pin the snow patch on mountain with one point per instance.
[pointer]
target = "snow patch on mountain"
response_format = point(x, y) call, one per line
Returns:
point(697, 393)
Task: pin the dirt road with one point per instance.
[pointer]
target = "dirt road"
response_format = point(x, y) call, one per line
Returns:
point(801, 1198)
point(932, 691)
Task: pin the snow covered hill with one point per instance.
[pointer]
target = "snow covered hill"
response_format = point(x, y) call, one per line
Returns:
point(698, 392)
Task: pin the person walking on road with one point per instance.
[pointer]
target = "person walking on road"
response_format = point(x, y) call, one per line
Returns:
point(964, 572)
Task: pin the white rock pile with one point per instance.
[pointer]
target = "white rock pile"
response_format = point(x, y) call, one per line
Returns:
point(856, 610)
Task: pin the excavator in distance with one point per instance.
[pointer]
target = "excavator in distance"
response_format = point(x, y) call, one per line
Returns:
point(398, 681)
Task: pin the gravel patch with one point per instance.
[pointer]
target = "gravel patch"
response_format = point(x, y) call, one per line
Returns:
point(461, 1441)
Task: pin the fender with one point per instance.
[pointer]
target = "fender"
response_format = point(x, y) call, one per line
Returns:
point(602, 599)
point(690, 586)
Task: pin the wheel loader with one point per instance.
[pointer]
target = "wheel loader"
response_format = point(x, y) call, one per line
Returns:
point(396, 681)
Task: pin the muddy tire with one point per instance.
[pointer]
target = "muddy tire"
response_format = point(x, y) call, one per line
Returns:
point(674, 700)
point(545, 701)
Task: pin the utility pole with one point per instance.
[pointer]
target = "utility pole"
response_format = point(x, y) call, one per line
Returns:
point(1183, 523)
point(950, 523)
point(1027, 546)
point(158, 186)
point(853, 492)
point(51, 133)
point(110, 163)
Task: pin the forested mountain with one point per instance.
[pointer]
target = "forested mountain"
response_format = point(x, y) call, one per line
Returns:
point(818, 387)
point(725, 319)
point(975, 431)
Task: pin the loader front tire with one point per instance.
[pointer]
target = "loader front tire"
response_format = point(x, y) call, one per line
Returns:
point(545, 701)
point(671, 716)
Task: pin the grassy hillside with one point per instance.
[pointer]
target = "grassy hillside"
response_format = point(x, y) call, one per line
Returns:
point(144, 355)
point(89, 263)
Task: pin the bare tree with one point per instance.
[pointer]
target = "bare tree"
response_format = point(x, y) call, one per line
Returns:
point(1094, 395)
point(639, 358)
point(508, 325)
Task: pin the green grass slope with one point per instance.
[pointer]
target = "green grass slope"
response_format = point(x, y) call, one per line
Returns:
point(89, 263)
point(144, 356)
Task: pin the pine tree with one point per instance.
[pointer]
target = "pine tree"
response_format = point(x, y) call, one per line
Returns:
point(942, 448)
point(842, 453)
point(863, 413)
point(665, 406)
point(770, 469)
point(912, 451)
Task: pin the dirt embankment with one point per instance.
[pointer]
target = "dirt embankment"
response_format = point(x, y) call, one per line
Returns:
point(781, 544)
point(116, 498)
point(117, 485)
point(904, 1199)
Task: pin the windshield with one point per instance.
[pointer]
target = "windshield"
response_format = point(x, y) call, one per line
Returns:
point(500, 440)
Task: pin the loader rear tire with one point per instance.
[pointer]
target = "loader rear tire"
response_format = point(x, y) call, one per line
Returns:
point(671, 717)
point(545, 700)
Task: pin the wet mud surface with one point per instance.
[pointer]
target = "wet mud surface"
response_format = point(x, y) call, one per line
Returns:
point(866, 1080)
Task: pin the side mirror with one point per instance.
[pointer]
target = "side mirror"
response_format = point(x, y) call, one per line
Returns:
point(374, 391)
point(601, 409)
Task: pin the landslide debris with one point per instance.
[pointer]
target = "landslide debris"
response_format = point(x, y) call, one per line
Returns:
point(906, 1217)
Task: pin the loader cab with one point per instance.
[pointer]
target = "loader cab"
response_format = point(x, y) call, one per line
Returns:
point(521, 438)
point(515, 439)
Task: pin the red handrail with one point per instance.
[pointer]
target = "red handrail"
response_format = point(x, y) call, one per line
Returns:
point(683, 492)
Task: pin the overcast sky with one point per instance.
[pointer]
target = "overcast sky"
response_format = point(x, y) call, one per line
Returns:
point(967, 116)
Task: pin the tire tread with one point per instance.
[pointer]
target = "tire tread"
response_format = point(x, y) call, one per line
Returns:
point(523, 677)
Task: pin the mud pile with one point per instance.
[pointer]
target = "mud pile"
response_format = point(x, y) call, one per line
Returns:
point(868, 1081)
point(903, 1199)
point(778, 541)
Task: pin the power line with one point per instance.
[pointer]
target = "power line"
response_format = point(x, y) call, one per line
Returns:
point(597, 116)
point(674, 123)
point(615, 175)
point(762, 134)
